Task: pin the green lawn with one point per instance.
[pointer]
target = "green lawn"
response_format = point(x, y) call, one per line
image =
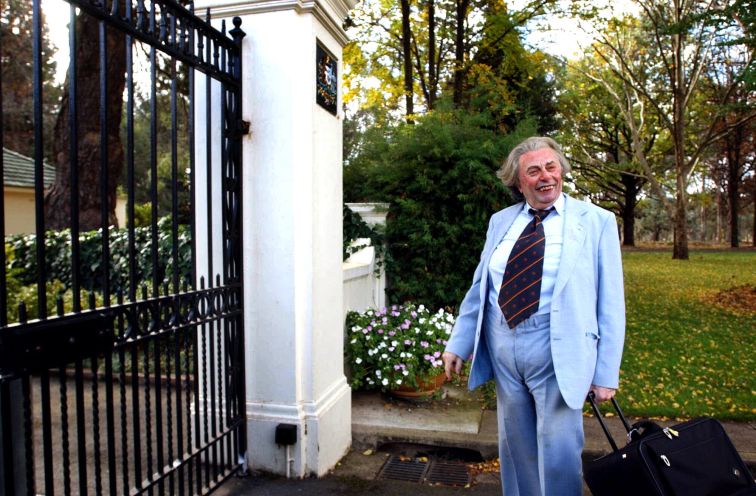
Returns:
point(684, 355)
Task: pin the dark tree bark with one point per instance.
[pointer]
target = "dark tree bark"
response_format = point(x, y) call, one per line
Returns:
point(58, 199)
point(459, 52)
point(632, 185)
point(407, 56)
point(432, 76)
point(733, 151)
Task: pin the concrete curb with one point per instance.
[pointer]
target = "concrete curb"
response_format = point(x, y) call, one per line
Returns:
point(377, 420)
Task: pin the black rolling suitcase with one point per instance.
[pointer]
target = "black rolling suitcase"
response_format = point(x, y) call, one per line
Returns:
point(694, 458)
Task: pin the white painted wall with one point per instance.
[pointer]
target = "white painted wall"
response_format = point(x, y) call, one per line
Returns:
point(363, 287)
point(19, 207)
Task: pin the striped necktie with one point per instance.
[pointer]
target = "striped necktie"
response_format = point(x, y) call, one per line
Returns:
point(520, 290)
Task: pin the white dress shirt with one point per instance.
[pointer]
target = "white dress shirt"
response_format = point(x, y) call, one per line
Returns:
point(553, 226)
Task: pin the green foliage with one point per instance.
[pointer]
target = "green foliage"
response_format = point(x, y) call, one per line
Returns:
point(54, 290)
point(395, 346)
point(142, 214)
point(439, 178)
point(143, 143)
point(22, 259)
point(16, 51)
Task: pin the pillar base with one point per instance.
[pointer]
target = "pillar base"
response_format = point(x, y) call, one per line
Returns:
point(324, 433)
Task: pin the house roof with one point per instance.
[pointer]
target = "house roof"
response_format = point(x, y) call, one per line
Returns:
point(18, 170)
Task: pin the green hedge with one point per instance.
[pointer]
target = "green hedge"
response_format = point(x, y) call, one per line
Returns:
point(22, 268)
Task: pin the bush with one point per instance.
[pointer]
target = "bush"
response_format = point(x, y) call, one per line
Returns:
point(396, 346)
point(22, 257)
point(439, 178)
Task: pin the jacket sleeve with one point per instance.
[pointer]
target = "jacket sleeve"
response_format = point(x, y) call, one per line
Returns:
point(462, 339)
point(610, 307)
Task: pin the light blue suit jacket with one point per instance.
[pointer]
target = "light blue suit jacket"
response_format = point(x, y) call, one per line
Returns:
point(587, 307)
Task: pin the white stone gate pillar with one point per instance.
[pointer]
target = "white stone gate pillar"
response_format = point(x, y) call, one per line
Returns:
point(292, 197)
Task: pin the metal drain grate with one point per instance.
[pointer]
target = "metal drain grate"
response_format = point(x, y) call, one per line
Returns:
point(399, 468)
point(448, 473)
point(430, 472)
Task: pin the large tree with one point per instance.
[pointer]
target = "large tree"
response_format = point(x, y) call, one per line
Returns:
point(680, 42)
point(89, 151)
point(728, 81)
point(600, 142)
point(16, 50)
point(420, 50)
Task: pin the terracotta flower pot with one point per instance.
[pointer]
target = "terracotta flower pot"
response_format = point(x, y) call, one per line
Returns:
point(425, 388)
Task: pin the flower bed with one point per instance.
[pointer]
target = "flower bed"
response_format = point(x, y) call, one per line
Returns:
point(396, 346)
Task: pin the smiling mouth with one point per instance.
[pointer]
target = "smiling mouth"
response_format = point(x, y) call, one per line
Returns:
point(545, 188)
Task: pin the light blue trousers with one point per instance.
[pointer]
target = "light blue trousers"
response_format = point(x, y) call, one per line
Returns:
point(540, 437)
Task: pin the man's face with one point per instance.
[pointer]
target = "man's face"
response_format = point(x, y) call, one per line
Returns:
point(540, 176)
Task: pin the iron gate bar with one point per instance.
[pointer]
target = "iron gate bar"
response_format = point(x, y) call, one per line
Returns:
point(153, 162)
point(39, 183)
point(80, 426)
point(209, 221)
point(133, 347)
point(9, 485)
point(64, 433)
point(29, 465)
point(73, 154)
point(47, 430)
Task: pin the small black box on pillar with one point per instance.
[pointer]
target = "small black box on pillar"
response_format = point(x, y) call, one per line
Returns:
point(286, 434)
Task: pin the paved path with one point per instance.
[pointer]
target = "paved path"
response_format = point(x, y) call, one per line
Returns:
point(381, 425)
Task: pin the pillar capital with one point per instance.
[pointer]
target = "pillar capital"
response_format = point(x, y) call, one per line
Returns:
point(330, 13)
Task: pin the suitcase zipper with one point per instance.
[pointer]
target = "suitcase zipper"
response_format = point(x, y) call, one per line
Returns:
point(670, 432)
point(666, 460)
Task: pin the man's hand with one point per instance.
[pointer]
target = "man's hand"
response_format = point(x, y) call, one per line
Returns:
point(451, 362)
point(602, 393)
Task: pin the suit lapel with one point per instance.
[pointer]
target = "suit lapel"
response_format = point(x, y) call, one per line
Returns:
point(574, 236)
point(500, 229)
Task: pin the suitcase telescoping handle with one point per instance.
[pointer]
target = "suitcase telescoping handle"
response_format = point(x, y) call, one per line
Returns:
point(597, 412)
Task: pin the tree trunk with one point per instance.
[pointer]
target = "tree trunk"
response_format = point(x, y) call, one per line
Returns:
point(407, 54)
point(628, 210)
point(733, 146)
point(459, 52)
point(680, 247)
point(58, 199)
point(432, 77)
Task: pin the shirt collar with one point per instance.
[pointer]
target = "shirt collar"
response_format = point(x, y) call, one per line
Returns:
point(558, 205)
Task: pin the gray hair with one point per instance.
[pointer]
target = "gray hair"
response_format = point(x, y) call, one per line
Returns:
point(508, 171)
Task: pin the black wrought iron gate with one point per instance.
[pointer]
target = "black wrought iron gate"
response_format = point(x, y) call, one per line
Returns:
point(122, 354)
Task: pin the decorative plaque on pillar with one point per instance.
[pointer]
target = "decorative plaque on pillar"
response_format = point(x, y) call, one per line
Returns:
point(326, 79)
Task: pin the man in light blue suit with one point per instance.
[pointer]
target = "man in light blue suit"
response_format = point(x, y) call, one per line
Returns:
point(565, 343)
